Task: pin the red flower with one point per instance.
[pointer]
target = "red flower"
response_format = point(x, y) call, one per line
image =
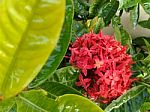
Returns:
point(105, 66)
point(83, 82)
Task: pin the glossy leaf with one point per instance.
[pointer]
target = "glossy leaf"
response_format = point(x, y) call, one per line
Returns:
point(75, 103)
point(147, 45)
point(99, 25)
point(118, 36)
point(148, 90)
point(80, 10)
point(147, 59)
point(134, 16)
point(130, 101)
point(96, 6)
point(146, 66)
point(7, 105)
point(146, 5)
point(126, 38)
point(108, 11)
point(84, 3)
point(121, 34)
point(140, 41)
point(60, 50)
point(56, 89)
point(35, 101)
point(66, 75)
point(128, 3)
point(78, 29)
point(145, 23)
point(28, 34)
point(116, 23)
point(145, 107)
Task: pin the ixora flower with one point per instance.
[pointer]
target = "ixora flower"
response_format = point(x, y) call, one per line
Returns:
point(105, 66)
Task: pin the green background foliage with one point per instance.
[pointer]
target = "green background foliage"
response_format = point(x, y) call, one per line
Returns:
point(29, 31)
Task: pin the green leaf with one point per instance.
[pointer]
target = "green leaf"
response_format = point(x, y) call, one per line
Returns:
point(130, 101)
point(56, 89)
point(145, 107)
point(147, 45)
point(99, 25)
point(134, 15)
point(96, 6)
point(146, 5)
point(118, 35)
point(60, 50)
point(147, 59)
point(75, 103)
point(84, 3)
point(116, 25)
point(7, 105)
point(140, 41)
point(121, 34)
point(66, 75)
point(80, 11)
point(124, 4)
point(145, 82)
point(35, 101)
point(116, 21)
point(145, 23)
point(78, 29)
point(28, 34)
point(126, 38)
point(149, 91)
point(108, 11)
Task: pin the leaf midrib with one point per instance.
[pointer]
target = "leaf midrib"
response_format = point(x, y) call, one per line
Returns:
point(12, 63)
point(31, 103)
point(112, 6)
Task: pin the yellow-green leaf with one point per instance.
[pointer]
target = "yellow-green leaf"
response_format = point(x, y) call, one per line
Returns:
point(7, 105)
point(35, 101)
point(76, 103)
point(58, 53)
point(29, 30)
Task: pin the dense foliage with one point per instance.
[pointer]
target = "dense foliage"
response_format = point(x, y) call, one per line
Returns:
point(86, 71)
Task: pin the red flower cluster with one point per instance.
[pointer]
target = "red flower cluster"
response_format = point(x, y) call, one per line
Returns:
point(105, 66)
